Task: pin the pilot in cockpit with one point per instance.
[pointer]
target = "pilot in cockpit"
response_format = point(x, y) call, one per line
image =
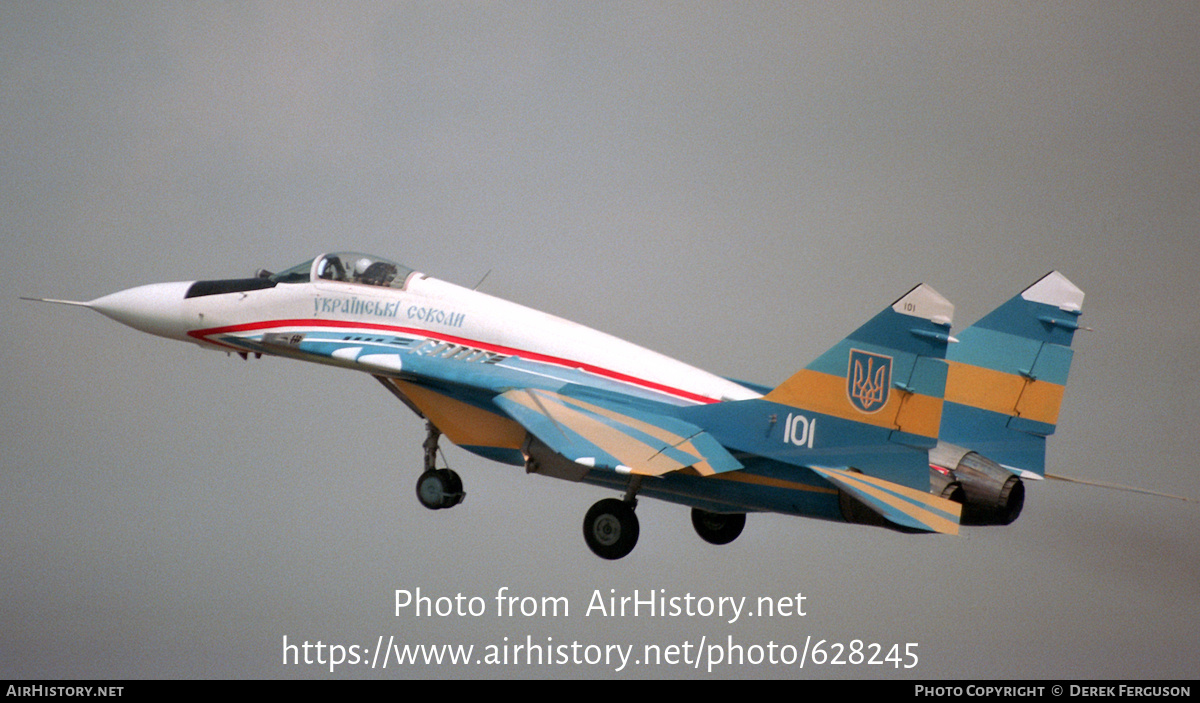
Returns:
point(360, 269)
point(374, 273)
point(331, 269)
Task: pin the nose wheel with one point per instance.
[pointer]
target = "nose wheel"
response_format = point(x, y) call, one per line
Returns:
point(440, 488)
point(437, 488)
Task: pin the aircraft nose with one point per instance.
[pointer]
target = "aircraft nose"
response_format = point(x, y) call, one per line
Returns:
point(156, 308)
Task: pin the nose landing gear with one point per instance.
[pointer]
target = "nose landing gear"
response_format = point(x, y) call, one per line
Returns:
point(437, 488)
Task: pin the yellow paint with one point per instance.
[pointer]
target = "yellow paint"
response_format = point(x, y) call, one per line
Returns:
point(678, 442)
point(1005, 393)
point(463, 423)
point(1041, 401)
point(743, 477)
point(638, 456)
point(825, 393)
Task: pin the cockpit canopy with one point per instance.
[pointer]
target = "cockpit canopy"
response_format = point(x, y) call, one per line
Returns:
point(343, 266)
point(348, 267)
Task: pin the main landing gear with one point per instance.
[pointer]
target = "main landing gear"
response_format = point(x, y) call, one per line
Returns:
point(437, 488)
point(718, 528)
point(611, 527)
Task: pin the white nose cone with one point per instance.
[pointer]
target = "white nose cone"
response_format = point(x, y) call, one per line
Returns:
point(156, 308)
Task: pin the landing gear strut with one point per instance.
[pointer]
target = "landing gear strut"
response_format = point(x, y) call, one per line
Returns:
point(611, 527)
point(437, 488)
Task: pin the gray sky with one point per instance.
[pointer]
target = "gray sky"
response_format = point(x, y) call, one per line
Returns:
point(737, 185)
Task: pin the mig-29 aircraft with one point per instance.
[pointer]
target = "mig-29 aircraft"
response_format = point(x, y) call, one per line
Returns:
point(893, 426)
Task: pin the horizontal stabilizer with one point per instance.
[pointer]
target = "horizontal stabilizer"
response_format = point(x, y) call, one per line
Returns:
point(606, 435)
point(898, 504)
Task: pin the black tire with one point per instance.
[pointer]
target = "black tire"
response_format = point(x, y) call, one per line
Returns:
point(611, 529)
point(718, 528)
point(453, 486)
point(439, 488)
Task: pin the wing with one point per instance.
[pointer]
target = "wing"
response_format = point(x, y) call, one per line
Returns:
point(602, 433)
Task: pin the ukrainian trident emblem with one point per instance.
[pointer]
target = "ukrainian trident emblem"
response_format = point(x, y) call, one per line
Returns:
point(868, 380)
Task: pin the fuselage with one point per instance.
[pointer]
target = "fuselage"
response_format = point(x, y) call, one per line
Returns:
point(429, 319)
point(445, 349)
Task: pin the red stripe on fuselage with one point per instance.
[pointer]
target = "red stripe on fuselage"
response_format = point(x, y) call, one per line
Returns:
point(509, 351)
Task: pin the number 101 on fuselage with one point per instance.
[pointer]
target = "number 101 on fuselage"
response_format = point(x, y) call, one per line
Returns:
point(799, 430)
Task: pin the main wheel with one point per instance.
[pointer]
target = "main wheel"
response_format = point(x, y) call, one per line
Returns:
point(610, 529)
point(439, 488)
point(718, 528)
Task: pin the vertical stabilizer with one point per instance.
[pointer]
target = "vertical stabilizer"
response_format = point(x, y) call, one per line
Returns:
point(872, 403)
point(888, 373)
point(1008, 374)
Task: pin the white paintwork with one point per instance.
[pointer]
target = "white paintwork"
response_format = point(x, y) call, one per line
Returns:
point(925, 302)
point(479, 320)
point(1054, 289)
point(384, 362)
point(494, 321)
point(154, 308)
